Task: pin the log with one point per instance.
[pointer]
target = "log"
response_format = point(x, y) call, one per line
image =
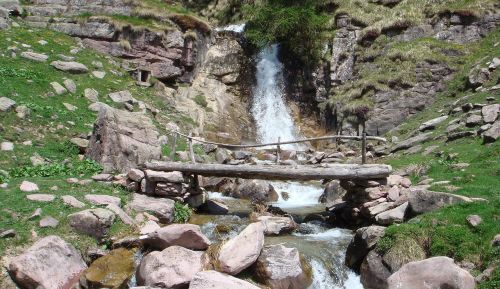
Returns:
point(276, 172)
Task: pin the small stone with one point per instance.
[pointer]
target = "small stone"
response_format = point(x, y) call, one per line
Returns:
point(72, 202)
point(7, 234)
point(97, 64)
point(71, 67)
point(103, 177)
point(46, 198)
point(496, 241)
point(121, 96)
point(103, 200)
point(473, 120)
point(91, 94)
point(72, 181)
point(54, 188)
point(48, 221)
point(70, 85)
point(99, 74)
point(27, 143)
point(34, 56)
point(22, 111)
point(149, 227)
point(6, 104)
point(37, 213)
point(58, 88)
point(28, 187)
point(474, 220)
point(136, 175)
point(42, 42)
point(6, 146)
point(70, 107)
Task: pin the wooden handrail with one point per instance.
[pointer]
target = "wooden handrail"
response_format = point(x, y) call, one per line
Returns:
point(358, 138)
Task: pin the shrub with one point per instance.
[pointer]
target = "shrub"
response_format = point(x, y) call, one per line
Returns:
point(182, 213)
point(201, 100)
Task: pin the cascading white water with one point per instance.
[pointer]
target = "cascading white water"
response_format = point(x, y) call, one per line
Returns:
point(272, 118)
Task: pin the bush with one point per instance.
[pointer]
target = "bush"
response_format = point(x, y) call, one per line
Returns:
point(296, 24)
point(182, 213)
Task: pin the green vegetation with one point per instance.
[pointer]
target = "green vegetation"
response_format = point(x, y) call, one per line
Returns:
point(296, 25)
point(201, 100)
point(182, 213)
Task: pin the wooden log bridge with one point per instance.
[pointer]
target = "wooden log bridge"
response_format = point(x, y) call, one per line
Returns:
point(278, 172)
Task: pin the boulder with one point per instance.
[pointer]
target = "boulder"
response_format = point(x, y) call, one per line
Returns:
point(395, 215)
point(377, 209)
point(46, 198)
point(135, 175)
point(277, 225)
point(363, 241)
point(124, 217)
point(103, 177)
point(490, 112)
point(91, 94)
point(165, 70)
point(168, 177)
point(113, 270)
point(479, 76)
point(408, 143)
point(94, 222)
point(255, 190)
point(122, 140)
point(280, 267)
point(47, 222)
point(373, 272)
point(492, 134)
point(216, 280)
point(215, 207)
point(70, 85)
point(185, 235)
point(6, 104)
point(474, 220)
point(421, 201)
point(436, 272)
point(70, 66)
point(28, 187)
point(81, 143)
point(34, 56)
point(431, 124)
point(163, 209)
point(40, 266)
point(243, 250)
point(332, 192)
point(149, 227)
point(123, 96)
point(173, 268)
point(7, 146)
point(473, 120)
point(102, 200)
point(72, 202)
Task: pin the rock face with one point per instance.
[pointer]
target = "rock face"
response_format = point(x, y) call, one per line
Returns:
point(256, 191)
point(40, 266)
point(173, 268)
point(113, 270)
point(184, 235)
point(216, 280)
point(437, 272)
point(94, 222)
point(243, 250)
point(122, 140)
point(363, 241)
point(280, 268)
point(163, 209)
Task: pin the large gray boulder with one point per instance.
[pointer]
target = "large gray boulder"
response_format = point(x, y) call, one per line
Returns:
point(255, 190)
point(490, 112)
point(363, 241)
point(162, 208)
point(432, 273)
point(173, 267)
point(422, 201)
point(185, 235)
point(216, 280)
point(492, 134)
point(41, 265)
point(243, 250)
point(431, 124)
point(93, 222)
point(280, 267)
point(122, 140)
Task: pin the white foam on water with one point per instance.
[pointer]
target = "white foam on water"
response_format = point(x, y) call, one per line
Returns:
point(238, 28)
point(219, 196)
point(299, 194)
point(328, 235)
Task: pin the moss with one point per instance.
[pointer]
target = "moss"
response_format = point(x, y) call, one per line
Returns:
point(402, 251)
point(201, 100)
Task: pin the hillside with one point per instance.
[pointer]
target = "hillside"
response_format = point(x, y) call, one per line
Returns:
point(91, 91)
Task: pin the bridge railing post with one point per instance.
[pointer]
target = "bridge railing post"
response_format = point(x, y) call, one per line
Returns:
point(363, 148)
point(174, 147)
point(196, 183)
point(278, 151)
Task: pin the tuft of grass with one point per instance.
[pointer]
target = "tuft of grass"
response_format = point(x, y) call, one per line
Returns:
point(182, 213)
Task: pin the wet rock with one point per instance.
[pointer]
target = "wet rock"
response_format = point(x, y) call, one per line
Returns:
point(6, 104)
point(173, 267)
point(122, 140)
point(28, 187)
point(34, 56)
point(363, 241)
point(113, 270)
point(437, 272)
point(69, 66)
point(163, 209)
point(215, 207)
point(255, 190)
point(431, 124)
point(373, 273)
point(395, 215)
point(46, 198)
point(102, 200)
point(48, 221)
point(185, 235)
point(281, 267)
point(277, 225)
point(492, 134)
point(243, 250)
point(72, 202)
point(94, 222)
point(216, 280)
point(474, 220)
point(421, 201)
point(40, 266)
point(490, 113)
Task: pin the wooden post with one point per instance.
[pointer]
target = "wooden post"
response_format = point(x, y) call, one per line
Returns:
point(191, 151)
point(363, 149)
point(278, 151)
point(174, 147)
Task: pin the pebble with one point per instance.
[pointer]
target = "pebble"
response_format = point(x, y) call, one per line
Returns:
point(48, 221)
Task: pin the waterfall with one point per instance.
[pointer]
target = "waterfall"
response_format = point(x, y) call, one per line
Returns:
point(269, 109)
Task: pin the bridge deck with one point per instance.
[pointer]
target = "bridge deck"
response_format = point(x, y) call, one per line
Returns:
point(278, 172)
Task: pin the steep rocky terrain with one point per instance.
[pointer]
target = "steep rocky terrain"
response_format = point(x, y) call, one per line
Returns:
point(92, 90)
